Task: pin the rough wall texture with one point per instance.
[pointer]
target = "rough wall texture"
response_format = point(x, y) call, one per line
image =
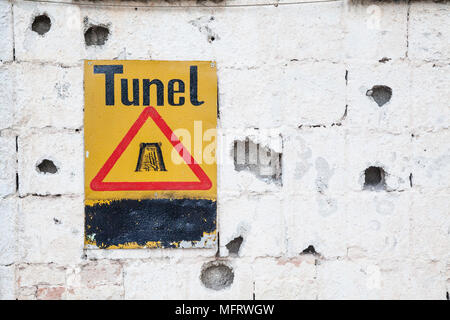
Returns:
point(296, 79)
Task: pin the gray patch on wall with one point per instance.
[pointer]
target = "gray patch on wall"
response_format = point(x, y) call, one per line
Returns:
point(324, 173)
point(263, 162)
point(216, 275)
point(326, 205)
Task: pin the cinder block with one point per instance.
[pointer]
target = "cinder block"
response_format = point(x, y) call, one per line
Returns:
point(363, 110)
point(392, 153)
point(378, 225)
point(345, 279)
point(412, 279)
point(429, 26)
point(264, 35)
point(61, 44)
point(8, 165)
point(56, 102)
point(64, 149)
point(256, 89)
point(258, 220)
point(189, 34)
point(294, 94)
point(430, 226)
point(382, 279)
point(431, 161)
point(6, 27)
point(29, 275)
point(62, 219)
point(6, 95)
point(176, 279)
point(314, 160)
point(374, 31)
point(155, 279)
point(8, 238)
point(311, 93)
point(102, 279)
point(430, 96)
point(7, 283)
point(102, 272)
point(285, 279)
point(316, 220)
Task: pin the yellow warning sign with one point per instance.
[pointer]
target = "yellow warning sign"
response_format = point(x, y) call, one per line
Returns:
point(150, 141)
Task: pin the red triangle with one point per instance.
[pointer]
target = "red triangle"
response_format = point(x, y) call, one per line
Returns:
point(97, 183)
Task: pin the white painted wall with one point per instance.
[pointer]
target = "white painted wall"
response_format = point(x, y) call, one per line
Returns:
point(296, 72)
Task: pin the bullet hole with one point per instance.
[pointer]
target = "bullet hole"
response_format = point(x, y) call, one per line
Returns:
point(381, 94)
point(234, 245)
point(216, 276)
point(46, 166)
point(374, 178)
point(56, 221)
point(41, 24)
point(309, 250)
point(211, 38)
point(96, 36)
point(263, 162)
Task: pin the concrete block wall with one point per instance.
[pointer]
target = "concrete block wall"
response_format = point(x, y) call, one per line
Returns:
point(292, 78)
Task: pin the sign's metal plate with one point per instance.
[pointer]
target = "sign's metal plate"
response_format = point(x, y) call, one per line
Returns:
point(150, 162)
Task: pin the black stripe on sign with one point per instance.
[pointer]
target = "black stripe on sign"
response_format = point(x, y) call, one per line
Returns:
point(165, 220)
